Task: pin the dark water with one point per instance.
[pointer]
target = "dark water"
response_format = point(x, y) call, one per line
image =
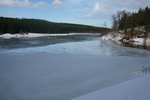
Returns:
point(14, 43)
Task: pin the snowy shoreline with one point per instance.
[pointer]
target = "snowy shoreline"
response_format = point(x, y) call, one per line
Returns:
point(114, 36)
point(29, 35)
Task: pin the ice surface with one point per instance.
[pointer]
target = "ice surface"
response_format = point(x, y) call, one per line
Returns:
point(94, 47)
point(67, 70)
point(51, 76)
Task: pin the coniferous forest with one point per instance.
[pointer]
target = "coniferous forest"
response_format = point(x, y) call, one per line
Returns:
point(123, 20)
point(16, 25)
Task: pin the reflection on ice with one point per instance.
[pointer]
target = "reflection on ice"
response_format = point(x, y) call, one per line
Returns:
point(90, 47)
point(146, 70)
point(16, 43)
point(109, 48)
point(139, 45)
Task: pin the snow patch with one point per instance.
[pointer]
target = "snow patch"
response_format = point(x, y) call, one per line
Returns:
point(113, 36)
point(8, 35)
point(135, 89)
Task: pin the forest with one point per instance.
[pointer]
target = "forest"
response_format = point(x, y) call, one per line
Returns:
point(24, 25)
point(123, 20)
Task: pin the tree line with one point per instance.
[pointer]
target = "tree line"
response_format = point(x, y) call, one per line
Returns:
point(24, 25)
point(123, 20)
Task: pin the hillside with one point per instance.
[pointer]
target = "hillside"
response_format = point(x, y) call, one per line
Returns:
point(15, 25)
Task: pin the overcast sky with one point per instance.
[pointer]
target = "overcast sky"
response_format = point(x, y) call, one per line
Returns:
point(89, 12)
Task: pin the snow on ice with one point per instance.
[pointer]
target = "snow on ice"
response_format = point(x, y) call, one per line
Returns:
point(135, 89)
point(8, 35)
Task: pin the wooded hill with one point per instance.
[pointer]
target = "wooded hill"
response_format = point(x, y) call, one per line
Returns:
point(16, 25)
point(123, 20)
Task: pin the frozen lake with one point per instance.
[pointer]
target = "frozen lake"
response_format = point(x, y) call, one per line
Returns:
point(65, 67)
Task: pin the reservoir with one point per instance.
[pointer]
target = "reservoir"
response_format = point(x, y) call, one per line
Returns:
point(65, 67)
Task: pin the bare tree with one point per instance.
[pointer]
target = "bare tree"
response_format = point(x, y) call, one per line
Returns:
point(105, 24)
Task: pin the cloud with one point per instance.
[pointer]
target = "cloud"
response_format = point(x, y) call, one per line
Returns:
point(57, 3)
point(97, 12)
point(76, 1)
point(7, 14)
point(84, 9)
point(129, 5)
point(22, 4)
point(105, 8)
point(115, 4)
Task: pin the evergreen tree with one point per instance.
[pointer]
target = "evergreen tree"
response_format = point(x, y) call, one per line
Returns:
point(124, 20)
point(15, 25)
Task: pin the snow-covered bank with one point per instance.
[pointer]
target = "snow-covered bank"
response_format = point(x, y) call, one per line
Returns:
point(135, 89)
point(8, 35)
point(114, 36)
